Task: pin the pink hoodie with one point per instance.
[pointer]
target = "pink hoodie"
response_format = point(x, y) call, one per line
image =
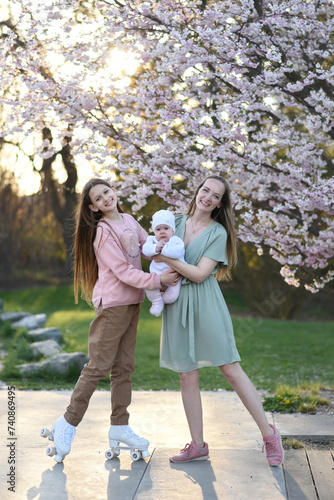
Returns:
point(121, 280)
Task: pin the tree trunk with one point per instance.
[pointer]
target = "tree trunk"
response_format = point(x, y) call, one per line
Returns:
point(63, 197)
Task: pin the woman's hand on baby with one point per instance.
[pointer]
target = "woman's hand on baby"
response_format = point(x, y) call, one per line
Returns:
point(169, 277)
point(158, 258)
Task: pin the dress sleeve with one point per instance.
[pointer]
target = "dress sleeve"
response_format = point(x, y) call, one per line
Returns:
point(215, 247)
point(178, 222)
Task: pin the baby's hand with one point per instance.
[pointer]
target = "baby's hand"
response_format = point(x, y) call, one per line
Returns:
point(159, 246)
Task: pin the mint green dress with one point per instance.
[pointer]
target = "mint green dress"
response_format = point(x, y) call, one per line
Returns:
point(197, 329)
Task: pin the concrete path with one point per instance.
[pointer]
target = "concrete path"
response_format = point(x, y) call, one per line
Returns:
point(236, 470)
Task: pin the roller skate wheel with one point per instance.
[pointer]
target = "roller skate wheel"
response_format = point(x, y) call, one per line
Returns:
point(44, 432)
point(110, 454)
point(51, 451)
point(135, 455)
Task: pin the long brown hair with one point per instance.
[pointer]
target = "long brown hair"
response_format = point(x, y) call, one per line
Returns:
point(85, 263)
point(225, 216)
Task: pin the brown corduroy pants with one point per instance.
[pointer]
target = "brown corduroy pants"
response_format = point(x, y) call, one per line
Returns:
point(111, 349)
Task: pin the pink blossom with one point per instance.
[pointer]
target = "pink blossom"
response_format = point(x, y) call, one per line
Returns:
point(215, 92)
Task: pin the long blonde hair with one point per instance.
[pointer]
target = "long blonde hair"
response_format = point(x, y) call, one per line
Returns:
point(85, 263)
point(225, 216)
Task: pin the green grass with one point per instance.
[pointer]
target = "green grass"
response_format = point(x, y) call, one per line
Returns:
point(273, 352)
point(278, 352)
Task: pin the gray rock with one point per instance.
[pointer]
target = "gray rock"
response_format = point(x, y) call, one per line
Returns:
point(59, 364)
point(45, 348)
point(14, 316)
point(31, 322)
point(46, 334)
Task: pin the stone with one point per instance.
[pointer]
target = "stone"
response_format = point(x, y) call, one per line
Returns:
point(45, 348)
point(58, 364)
point(46, 334)
point(31, 322)
point(14, 316)
point(62, 362)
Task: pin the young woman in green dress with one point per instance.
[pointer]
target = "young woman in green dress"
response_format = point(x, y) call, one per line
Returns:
point(197, 330)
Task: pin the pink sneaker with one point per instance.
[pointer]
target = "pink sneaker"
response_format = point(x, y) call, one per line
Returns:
point(274, 448)
point(191, 452)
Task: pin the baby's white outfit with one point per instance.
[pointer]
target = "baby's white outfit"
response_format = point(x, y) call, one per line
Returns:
point(174, 248)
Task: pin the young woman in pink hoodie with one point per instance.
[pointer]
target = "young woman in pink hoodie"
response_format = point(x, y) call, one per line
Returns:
point(108, 270)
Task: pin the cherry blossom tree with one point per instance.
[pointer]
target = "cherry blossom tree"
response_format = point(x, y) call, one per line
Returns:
point(240, 88)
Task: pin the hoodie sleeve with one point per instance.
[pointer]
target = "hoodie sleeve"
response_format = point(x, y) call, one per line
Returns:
point(110, 256)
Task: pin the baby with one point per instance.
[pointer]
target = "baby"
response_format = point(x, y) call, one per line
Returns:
point(163, 241)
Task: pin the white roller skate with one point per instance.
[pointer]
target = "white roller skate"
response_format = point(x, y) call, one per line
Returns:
point(122, 437)
point(62, 434)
